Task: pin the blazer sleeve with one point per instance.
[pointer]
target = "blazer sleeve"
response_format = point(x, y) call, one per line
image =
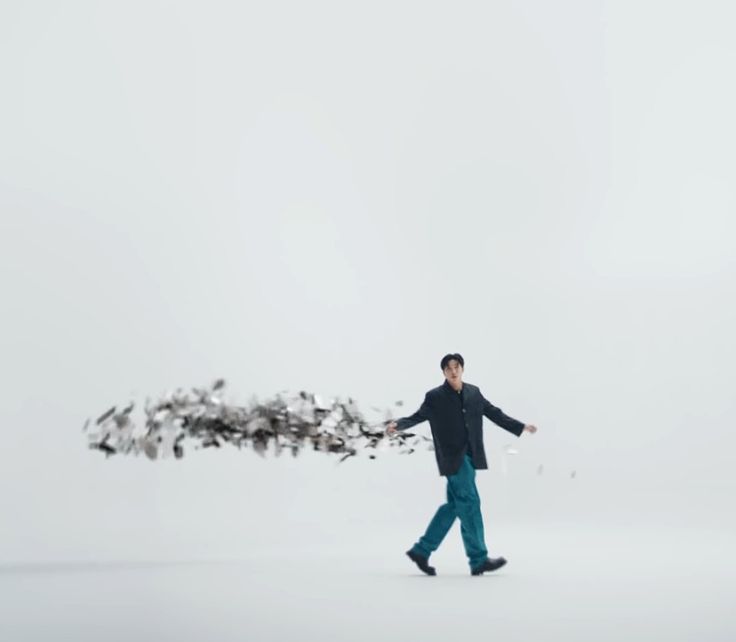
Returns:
point(418, 417)
point(497, 416)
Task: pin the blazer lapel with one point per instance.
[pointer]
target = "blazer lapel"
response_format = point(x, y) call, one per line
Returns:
point(451, 392)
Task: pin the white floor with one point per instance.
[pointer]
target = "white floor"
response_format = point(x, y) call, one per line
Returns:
point(575, 582)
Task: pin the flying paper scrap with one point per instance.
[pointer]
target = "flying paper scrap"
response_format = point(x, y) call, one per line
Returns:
point(290, 422)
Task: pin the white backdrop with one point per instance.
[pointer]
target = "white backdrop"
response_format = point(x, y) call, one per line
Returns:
point(330, 196)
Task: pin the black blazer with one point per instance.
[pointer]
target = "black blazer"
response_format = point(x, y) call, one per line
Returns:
point(457, 424)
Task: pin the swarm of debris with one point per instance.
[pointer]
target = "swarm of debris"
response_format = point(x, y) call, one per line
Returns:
point(289, 422)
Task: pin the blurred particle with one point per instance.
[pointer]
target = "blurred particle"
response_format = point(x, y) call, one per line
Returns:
point(290, 420)
point(105, 416)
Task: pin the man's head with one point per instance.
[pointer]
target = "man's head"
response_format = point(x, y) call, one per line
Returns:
point(452, 366)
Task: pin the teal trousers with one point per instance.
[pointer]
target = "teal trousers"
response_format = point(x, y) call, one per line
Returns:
point(463, 501)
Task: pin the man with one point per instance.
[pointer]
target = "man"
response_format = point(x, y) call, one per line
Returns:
point(455, 413)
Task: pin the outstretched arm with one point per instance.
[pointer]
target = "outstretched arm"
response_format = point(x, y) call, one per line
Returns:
point(497, 416)
point(412, 420)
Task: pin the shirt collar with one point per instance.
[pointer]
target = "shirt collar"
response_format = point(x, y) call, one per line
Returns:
point(449, 388)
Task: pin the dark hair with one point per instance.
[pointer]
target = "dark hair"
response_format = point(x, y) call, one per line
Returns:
point(448, 357)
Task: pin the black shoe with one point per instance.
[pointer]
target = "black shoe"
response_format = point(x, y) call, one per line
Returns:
point(421, 562)
point(491, 564)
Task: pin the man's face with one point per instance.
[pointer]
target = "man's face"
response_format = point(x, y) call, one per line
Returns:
point(453, 371)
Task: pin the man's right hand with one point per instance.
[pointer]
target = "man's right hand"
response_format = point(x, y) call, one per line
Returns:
point(391, 428)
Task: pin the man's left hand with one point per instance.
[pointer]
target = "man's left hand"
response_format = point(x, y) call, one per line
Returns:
point(530, 428)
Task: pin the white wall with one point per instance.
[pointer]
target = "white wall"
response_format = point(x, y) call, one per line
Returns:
point(329, 197)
